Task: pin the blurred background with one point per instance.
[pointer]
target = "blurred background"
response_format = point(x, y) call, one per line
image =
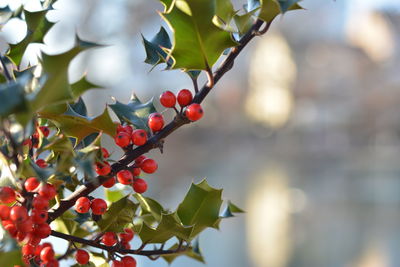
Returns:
point(303, 133)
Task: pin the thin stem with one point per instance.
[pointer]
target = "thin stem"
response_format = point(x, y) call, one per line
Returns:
point(195, 84)
point(5, 70)
point(155, 252)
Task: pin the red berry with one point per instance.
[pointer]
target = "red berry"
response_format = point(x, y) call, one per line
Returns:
point(31, 184)
point(116, 263)
point(47, 191)
point(149, 166)
point(21, 236)
point(139, 185)
point(33, 240)
point(82, 205)
point(156, 122)
point(124, 128)
point(41, 163)
point(42, 230)
point(25, 226)
point(109, 183)
point(139, 137)
point(18, 214)
point(82, 256)
point(39, 216)
point(12, 230)
point(136, 171)
point(127, 235)
point(168, 99)
point(122, 139)
point(7, 195)
point(4, 212)
point(45, 130)
point(128, 261)
point(28, 250)
point(98, 206)
point(194, 112)
point(105, 153)
point(139, 160)
point(109, 239)
point(47, 254)
point(40, 247)
point(125, 177)
point(27, 142)
point(40, 203)
point(103, 168)
point(184, 97)
point(125, 245)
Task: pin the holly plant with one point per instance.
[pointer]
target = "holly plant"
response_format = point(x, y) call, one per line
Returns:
point(51, 152)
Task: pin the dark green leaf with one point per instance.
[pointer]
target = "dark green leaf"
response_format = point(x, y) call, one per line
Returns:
point(118, 215)
point(198, 42)
point(12, 96)
point(81, 86)
point(200, 207)
point(150, 206)
point(193, 252)
point(155, 54)
point(11, 258)
point(113, 195)
point(135, 112)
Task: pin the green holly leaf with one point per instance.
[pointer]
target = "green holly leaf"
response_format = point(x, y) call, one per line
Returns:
point(11, 258)
point(193, 252)
point(272, 8)
point(113, 195)
point(224, 13)
point(155, 48)
point(245, 22)
point(12, 96)
point(118, 215)
point(168, 4)
point(149, 206)
point(230, 209)
point(38, 26)
point(135, 112)
point(287, 5)
point(169, 226)
point(78, 126)
point(67, 224)
point(201, 207)
point(81, 86)
point(198, 42)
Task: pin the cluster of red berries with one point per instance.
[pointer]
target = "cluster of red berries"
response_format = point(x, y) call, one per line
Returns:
point(127, 177)
point(97, 205)
point(193, 111)
point(34, 140)
point(122, 239)
point(27, 222)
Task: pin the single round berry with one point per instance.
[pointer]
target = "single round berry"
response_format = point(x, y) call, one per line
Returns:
point(12, 230)
point(184, 97)
point(109, 239)
point(139, 137)
point(47, 254)
point(40, 216)
point(82, 205)
point(156, 122)
point(140, 186)
point(41, 163)
point(125, 245)
point(122, 139)
point(168, 99)
point(109, 183)
point(105, 153)
point(117, 263)
point(42, 230)
point(98, 206)
point(7, 195)
point(40, 203)
point(31, 184)
point(124, 128)
point(4, 212)
point(136, 171)
point(139, 160)
point(47, 191)
point(125, 177)
point(25, 226)
point(127, 235)
point(21, 237)
point(28, 250)
point(82, 256)
point(45, 130)
point(103, 168)
point(194, 112)
point(149, 166)
point(18, 214)
point(128, 261)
